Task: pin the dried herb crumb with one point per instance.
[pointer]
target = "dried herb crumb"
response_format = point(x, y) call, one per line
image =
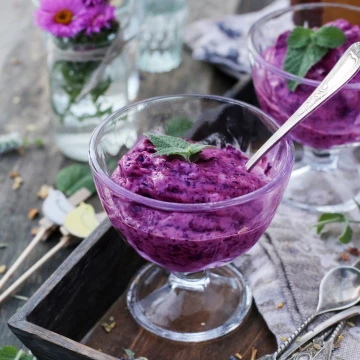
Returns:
point(112, 325)
point(344, 257)
point(33, 212)
point(43, 192)
point(106, 327)
point(2, 269)
point(15, 61)
point(16, 100)
point(13, 174)
point(338, 341)
point(17, 182)
point(354, 251)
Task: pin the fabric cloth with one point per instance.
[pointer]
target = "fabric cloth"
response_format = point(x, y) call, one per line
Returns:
point(286, 267)
point(223, 41)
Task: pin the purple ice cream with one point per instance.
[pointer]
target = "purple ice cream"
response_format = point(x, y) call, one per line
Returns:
point(337, 122)
point(190, 240)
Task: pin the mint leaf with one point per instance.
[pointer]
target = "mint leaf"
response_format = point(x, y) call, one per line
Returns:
point(328, 218)
point(300, 37)
point(74, 177)
point(329, 37)
point(299, 61)
point(347, 234)
point(171, 145)
point(178, 126)
point(305, 48)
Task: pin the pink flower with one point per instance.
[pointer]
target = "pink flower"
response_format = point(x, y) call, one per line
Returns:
point(90, 3)
point(99, 17)
point(62, 18)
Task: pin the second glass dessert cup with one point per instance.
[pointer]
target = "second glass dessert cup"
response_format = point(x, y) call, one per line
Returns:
point(194, 295)
point(319, 182)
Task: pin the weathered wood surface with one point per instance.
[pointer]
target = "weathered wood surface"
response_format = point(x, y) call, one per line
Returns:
point(48, 326)
point(24, 102)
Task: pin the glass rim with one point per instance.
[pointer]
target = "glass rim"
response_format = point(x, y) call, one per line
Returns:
point(183, 207)
point(259, 57)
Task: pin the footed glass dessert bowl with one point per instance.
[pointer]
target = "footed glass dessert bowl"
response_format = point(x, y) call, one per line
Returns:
point(189, 209)
point(318, 182)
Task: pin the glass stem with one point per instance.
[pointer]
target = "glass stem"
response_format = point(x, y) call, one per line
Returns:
point(190, 281)
point(321, 159)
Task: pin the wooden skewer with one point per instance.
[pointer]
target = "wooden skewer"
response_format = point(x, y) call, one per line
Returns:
point(45, 229)
point(45, 226)
point(64, 242)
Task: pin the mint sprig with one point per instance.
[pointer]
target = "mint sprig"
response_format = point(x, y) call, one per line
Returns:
point(171, 145)
point(306, 47)
point(331, 218)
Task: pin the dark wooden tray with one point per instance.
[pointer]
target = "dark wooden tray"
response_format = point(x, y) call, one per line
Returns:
point(62, 321)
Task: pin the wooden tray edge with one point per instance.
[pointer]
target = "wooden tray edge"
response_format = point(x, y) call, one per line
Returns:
point(28, 332)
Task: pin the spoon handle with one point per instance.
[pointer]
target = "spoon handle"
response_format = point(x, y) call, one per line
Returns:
point(292, 337)
point(344, 70)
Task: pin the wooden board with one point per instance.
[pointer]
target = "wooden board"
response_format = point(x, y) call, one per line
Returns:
point(62, 320)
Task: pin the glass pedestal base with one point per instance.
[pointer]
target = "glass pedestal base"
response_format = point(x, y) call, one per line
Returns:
point(319, 184)
point(189, 307)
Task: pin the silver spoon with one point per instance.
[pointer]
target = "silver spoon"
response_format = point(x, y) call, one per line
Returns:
point(327, 347)
point(344, 70)
point(339, 289)
point(343, 315)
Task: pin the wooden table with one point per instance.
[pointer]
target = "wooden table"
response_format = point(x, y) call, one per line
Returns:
point(24, 104)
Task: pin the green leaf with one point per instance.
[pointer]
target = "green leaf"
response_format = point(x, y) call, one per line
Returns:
point(8, 353)
point(329, 37)
point(300, 61)
point(171, 145)
point(84, 182)
point(347, 233)
point(328, 218)
point(39, 142)
point(178, 126)
point(12, 353)
point(129, 353)
point(306, 48)
point(74, 177)
point(100, 89)
point(300, 37)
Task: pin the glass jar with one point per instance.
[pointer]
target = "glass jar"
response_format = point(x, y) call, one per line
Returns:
point(88, 81)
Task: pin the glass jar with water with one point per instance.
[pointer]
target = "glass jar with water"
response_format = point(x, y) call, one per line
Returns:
point(162, 36)
point(87, 83)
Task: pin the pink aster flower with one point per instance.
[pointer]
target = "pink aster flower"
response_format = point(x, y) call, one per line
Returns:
point(90, 3)
point(62, 18)
point(99, 17)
